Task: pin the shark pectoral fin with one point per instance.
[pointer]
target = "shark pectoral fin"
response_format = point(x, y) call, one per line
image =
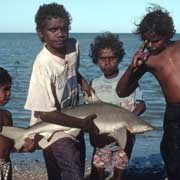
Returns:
point(45, 142)
point(50, 136)
point(73, 132)
point(46, 135)
point(120, 135)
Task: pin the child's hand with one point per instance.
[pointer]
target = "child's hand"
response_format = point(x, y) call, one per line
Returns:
point(29, 145)
point(87, 89)
point(140, 56)
point(89, 125)
point(92, 98)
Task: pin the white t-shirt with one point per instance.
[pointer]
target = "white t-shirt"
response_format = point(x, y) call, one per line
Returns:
point(106, 91)
point(51, 71)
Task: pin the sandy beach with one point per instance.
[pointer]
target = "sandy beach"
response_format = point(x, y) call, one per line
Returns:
point(32, 170)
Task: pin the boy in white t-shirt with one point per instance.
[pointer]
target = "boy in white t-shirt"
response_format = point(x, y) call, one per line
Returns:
point(53, 86)
point(107, 52)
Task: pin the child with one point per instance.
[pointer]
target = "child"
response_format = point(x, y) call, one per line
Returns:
point(53, 86)
point(6, 145)
point(107, 52)
point(162, 59)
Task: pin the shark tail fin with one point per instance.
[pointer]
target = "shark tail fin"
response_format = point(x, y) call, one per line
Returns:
point(17, 134)
point(91, 99)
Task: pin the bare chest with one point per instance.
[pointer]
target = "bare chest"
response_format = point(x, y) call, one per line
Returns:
point(164, 67)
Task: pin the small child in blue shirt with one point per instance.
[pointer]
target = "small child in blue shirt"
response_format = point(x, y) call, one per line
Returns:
point(107, 52)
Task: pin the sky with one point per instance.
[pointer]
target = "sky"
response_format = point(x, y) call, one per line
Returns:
point(93, 16)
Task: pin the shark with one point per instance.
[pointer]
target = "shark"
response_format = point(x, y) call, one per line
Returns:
point(111, 120)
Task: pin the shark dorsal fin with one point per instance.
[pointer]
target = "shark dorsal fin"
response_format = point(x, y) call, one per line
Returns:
point(91, 99)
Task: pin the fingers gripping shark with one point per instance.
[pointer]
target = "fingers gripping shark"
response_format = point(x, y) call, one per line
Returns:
point(111, 120)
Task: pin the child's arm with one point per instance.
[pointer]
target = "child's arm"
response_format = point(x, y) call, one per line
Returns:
point(86, 88)
point(129, 81)
point(140, 108)
point(5, 118)
point(57, 117)
point(30, 145)
point(6, 143)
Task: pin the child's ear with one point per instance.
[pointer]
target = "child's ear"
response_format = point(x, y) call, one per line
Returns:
point(40, 34)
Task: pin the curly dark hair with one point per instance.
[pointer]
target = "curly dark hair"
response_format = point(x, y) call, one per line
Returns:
point(48, 11)
point(5, 77)
point(106, 40)
point(157, 21)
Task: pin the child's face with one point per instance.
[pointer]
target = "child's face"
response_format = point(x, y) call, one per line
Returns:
point(55, 33)
point(155, 43)
point(108, 62)
point(5, 93)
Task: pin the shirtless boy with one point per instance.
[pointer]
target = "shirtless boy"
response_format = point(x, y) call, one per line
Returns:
point(160, 56)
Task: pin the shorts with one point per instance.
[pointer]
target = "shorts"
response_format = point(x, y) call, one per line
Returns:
point(65, 159)
point(170, 144)
point(109, 157)
point(5, 170)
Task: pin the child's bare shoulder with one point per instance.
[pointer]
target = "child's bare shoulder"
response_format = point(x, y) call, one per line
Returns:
point(175, 49)
point(5, 112)
point(5, 117)
point(176, 44)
